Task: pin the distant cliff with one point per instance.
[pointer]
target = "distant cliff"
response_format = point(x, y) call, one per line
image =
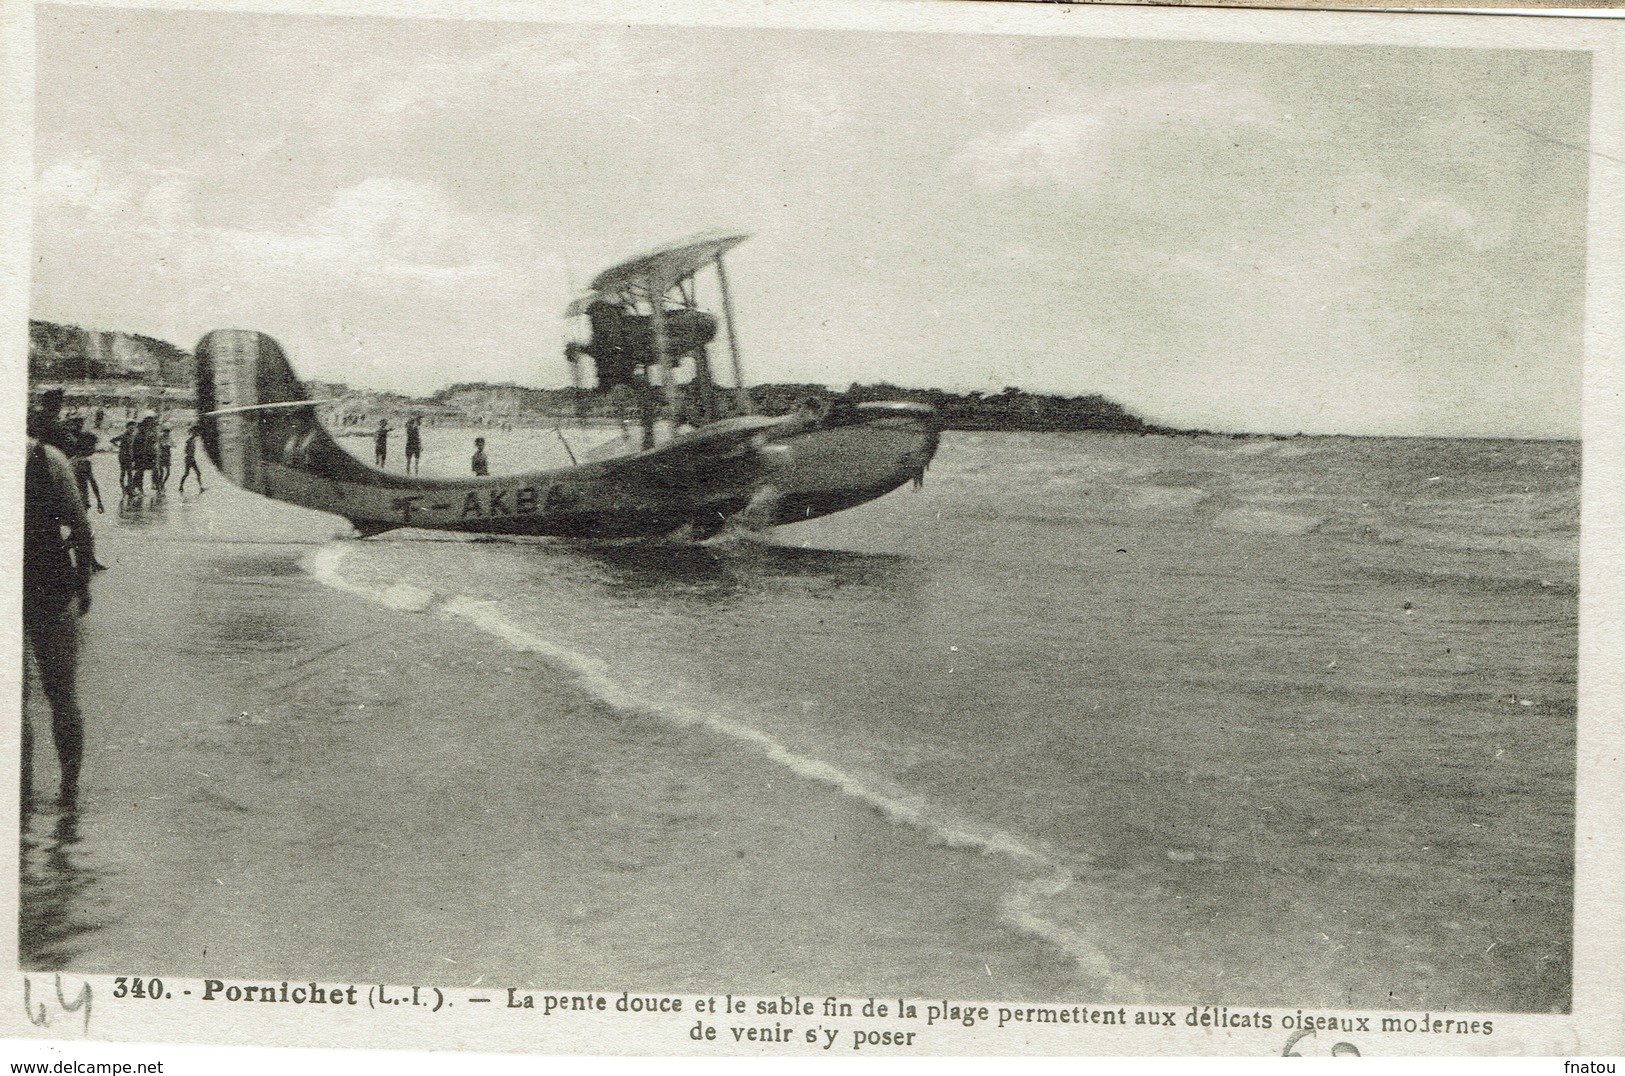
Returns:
point(1012, 409)
point(482, 398)
point(70, 353)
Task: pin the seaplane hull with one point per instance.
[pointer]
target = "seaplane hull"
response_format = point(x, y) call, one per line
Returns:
point(261, 430)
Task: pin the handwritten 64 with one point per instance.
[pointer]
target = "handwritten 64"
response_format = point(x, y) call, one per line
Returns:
point(41, 1014)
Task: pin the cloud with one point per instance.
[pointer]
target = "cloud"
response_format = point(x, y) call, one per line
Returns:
point(80, 186)
point(380, 225)
point(399, 256)
point(1437, 217)
point(405, 227)
point(484, 75)
point(1076, 144)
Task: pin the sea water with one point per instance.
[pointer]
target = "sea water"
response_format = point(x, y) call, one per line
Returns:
point(1240, 718)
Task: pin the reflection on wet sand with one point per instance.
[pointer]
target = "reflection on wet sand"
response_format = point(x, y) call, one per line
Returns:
point(218, 625)
point(59, 908)
point(141, 511)
point(145, 510)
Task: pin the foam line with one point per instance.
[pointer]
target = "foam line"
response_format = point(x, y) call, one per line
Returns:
point(593, 676)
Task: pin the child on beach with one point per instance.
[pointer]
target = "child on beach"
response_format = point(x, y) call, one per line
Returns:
point(126, 452)
point(380, 443)
point(143, 455)
point(84, 446)
point(414, 445)
point(481, 466)
point(160, 477)
point(190, 453)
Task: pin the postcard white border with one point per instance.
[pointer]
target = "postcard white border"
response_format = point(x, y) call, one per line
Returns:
point(1597, 1024)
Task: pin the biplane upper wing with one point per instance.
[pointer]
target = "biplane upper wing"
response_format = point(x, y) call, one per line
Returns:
point(665, 265)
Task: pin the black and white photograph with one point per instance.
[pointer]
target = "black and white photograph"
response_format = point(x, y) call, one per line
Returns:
point(1041, 527)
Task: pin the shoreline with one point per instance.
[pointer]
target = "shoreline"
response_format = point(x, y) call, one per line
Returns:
point(297, 810)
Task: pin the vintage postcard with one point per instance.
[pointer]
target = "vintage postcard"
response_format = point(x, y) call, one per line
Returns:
point(815, 529)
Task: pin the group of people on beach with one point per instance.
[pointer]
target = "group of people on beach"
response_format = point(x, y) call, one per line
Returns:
point(144, 448)
point(414, 443)
point(414, 447)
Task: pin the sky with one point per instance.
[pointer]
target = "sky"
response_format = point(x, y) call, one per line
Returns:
point(1239, 237)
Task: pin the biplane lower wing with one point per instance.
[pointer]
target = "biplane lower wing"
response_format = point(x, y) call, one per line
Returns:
point(261, 430)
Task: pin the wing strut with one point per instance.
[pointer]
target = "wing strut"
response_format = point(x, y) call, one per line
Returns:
point(743, 401)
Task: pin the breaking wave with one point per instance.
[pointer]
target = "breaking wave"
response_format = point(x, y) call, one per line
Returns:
point(1021, 907)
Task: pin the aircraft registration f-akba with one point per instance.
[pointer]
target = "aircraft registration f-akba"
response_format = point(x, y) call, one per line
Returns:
point(261, 429)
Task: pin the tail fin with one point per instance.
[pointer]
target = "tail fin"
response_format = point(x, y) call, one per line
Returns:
point(253, 411)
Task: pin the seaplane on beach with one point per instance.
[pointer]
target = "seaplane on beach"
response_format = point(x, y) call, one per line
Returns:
point(704, 457)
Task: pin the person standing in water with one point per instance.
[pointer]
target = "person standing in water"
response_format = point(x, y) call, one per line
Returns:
point(482, 466)
point(59, 554)
point(84, 447)
point(126, 452)
point(414, 445)
point(166, 460)
point(191, 468)
point(380, 443)
point(144, 455)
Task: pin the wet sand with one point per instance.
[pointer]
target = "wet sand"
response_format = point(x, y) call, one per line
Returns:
point(285, 782)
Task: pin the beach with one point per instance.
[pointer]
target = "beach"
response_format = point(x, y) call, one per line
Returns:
point(1088, 718)
point(281, 782)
